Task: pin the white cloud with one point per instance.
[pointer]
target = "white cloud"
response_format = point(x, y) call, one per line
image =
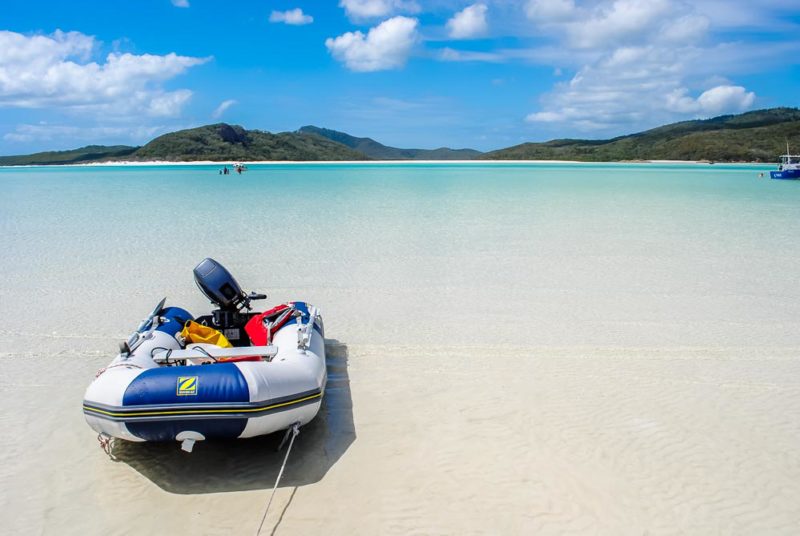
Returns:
point(180, 3)
point(74, 134)
point(619, 22)
point(616, 22)
point(765, 14)
point(386, 46)
point(549, 10)
point(55, 71)
point(546, 117)
point(367, 9)
point(168, 104)
point(449, 54)
point(224, 105)
point(635, 62)
point(43, 50)
point(679, 101)
point(689, 28)
point(717, 100)
point(294, 17)
point(469, 22)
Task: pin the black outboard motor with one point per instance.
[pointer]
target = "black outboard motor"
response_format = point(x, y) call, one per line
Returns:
point(218, 285)
point(221, 288)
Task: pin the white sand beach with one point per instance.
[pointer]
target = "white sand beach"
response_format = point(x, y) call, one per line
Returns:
point(151, 163)
point(519, 354)
point(357, 162)
point(456, 440)
point(323, 163)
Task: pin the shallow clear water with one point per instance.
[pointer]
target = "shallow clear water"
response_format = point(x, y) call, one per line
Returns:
point(546, 255)
point(624, 338)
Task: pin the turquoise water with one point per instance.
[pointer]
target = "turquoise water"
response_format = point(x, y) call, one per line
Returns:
point(540, 255)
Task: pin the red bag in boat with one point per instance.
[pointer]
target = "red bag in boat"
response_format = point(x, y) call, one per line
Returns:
point(239, 358)
point(256, 327)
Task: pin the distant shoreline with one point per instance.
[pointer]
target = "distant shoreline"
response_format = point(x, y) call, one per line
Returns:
point(371, 162)
point(753, 137)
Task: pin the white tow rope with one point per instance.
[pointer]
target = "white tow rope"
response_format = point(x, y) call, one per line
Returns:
point(294, 431)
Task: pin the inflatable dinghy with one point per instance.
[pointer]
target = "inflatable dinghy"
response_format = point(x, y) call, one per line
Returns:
point(231, 374)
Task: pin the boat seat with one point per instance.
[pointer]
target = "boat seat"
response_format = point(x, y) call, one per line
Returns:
point(199, 354)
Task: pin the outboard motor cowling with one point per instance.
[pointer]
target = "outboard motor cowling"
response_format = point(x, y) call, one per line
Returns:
point(218, 285)
point(221, 288)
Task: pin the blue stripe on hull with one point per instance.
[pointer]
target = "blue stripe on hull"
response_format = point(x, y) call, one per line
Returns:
point(167, 430)
point(220, 382)
point(184, 411)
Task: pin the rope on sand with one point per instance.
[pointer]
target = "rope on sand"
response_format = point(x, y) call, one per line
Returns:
point(294, 431)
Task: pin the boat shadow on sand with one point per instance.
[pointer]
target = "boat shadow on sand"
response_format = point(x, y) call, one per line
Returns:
point(251, 464)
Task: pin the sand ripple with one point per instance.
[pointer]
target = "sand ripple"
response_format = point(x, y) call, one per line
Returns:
point(450, 440)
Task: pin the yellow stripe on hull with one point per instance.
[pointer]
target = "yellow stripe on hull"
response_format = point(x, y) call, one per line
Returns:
point(199, 411)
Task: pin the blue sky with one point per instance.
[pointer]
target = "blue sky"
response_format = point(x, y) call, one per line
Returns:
point(410, 73)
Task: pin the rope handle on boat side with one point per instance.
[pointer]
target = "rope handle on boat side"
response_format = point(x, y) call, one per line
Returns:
point(102, 370)
point(291, 433)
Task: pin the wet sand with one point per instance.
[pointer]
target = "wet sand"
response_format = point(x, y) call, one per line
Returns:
point(467, 440)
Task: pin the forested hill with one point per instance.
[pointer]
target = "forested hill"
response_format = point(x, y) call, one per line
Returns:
point(758, 136)
point(222, 142)
point(90, 153)
point(379, 151)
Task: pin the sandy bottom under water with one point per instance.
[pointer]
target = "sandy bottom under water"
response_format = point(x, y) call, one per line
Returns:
point(525, 350)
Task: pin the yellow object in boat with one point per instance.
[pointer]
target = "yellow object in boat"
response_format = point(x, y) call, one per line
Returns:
point(198, 333)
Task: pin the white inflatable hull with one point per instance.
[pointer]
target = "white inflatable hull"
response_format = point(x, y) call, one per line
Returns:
point(137, 400)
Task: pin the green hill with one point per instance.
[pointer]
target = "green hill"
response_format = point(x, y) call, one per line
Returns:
point(378, 151)
point(90, 153)
point(222, 142)
point(758, 136)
